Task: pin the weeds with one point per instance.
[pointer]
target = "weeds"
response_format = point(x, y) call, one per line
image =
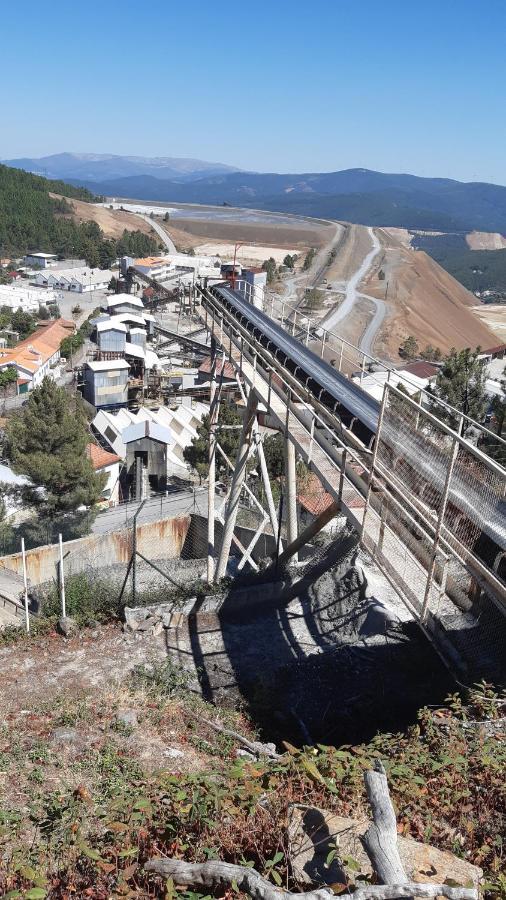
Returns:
point(90, 834)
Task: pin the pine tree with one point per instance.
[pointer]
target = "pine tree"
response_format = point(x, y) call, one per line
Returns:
point(196, 454)
point(461, 383)
point(46, 441)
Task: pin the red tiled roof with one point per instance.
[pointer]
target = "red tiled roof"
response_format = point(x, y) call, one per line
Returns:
point(500, 349)
point(35, 350)
point(100, 457)
point(228, 371)
point(421, 369)
point(314, 499)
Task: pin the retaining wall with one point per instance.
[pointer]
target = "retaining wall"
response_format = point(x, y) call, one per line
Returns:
point(163, 539)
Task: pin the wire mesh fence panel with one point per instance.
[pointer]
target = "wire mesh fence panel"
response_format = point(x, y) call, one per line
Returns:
point(449, 508)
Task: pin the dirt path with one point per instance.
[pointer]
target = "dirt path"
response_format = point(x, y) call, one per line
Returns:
point(42, 669)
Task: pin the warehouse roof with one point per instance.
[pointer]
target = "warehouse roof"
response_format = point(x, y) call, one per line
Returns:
point(118, 299)
point(104, 365)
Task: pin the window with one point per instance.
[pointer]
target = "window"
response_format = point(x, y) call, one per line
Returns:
point(110, 434)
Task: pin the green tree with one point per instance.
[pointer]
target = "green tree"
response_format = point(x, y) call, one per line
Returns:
point(274, 455)
point(43, 313)
point(310, 255)
point(409, 348)
point(461, 383)
point(46, 441)
point(269, 266)
point(289, 261)
point(54, 311)
point(7, 376)
point(23, 323)
point(433, 354)
point(228, 433)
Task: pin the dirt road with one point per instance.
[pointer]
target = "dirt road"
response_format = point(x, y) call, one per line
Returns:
point(351, 293)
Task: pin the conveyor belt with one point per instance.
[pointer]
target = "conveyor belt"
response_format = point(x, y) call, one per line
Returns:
point(326, 384)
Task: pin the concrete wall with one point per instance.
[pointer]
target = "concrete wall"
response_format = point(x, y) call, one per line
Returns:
point(155, 540)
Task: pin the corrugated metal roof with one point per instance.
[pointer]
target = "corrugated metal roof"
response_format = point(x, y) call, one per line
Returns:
point(103, 365)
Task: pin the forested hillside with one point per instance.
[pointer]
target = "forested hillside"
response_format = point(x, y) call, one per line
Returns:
point(477, 270)
point(30, 219)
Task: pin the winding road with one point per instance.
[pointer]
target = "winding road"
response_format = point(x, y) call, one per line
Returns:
point(169, 243)
point(351, 293)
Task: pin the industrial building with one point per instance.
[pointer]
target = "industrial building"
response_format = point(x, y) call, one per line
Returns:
point(79, 280)
point(40, 260)
point(122, 303)
point(111, 335)
point(157, 437)
point(106, 383)
point(252, 283)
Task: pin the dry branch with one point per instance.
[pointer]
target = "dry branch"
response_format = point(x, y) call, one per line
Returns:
point(215, 874)
point(254, 747)
point(380, 839)
point(380, 842)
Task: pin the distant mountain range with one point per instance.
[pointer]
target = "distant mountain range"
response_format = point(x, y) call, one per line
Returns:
point(354, 195)
point(98, 168)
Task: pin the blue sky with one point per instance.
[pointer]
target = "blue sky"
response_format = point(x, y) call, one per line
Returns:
point(396, 86)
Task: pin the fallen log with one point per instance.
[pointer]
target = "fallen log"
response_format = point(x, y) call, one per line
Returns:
point(214, 874)
point(380, 844)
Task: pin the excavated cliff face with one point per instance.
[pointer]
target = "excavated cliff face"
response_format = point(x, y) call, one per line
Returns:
point(326, 654)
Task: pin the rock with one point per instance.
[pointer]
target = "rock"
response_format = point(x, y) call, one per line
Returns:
point(127, 717)
point(148, 623)
point(173, 753)
point(65, 736)
point(313, 833)
point(68, 626)
point(157, 629)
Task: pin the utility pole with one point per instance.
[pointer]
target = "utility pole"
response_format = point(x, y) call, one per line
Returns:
point(211, 484)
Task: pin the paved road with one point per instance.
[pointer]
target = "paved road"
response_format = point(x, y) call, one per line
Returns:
point(156, 508)
point(337, 315)
point(169, 243)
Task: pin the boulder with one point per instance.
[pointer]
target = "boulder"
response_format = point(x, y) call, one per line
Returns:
point(68, 627)
point(127, 717)
point(314, 833)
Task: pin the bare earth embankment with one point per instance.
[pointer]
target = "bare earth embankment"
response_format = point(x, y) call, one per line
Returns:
point(112, 221)
point(424, 301)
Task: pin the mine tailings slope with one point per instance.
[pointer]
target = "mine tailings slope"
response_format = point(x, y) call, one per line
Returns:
point(424, 301)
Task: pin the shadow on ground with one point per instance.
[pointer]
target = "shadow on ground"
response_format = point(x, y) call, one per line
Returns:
point(310, 656)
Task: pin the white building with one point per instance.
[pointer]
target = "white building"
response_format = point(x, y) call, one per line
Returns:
point(252, 283)
point(79, 280)
point(119, 303)
point(108, 464)
point(26, 298)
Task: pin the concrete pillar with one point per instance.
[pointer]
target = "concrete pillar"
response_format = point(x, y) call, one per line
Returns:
point(290, 492)
point(237, 482)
